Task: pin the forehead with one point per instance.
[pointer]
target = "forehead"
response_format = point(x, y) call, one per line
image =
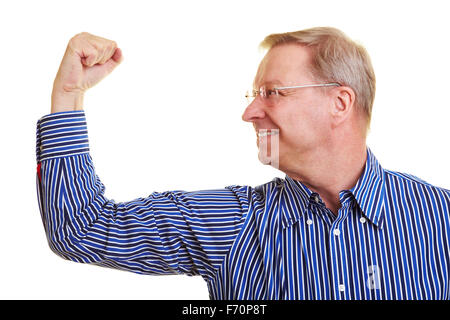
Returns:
point(284, 64)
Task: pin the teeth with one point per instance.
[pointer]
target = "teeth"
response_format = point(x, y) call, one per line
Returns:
point(265, 133)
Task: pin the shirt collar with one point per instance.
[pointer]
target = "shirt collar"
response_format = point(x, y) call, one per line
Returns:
point(297, 200)
point(368, 193)
point(369, 190)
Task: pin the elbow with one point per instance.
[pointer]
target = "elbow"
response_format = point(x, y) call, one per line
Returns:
point(57, 247)
point(66, 250)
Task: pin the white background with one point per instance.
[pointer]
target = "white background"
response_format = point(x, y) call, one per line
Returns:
point(169, 117)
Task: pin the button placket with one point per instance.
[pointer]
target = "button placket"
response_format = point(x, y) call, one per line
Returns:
point(310, 221)
point(337, 251)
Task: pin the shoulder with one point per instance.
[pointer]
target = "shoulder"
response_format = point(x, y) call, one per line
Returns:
point(413, 186)
point(270, 186)
point(260, 192)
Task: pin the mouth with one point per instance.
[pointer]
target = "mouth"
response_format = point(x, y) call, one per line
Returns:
point(268, 146)
point(268, 132)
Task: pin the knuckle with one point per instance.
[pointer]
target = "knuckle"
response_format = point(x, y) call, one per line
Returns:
point(76, 38)
point(95, 47)
point(109, 48)
point(80, 35)
point(73, 39)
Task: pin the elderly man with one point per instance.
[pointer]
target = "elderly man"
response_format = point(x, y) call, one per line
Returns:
point(339, 226)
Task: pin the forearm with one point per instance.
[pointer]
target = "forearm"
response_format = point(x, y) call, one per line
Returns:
point(73, 207)
point(61, 138)
point(66, 101)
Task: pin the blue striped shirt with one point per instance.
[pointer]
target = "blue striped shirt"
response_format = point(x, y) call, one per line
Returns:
point(389, 240)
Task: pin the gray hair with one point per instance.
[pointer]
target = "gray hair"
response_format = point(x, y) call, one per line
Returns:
point(336, 58)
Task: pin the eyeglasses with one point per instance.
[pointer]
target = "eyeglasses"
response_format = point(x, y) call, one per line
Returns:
point(275, 93)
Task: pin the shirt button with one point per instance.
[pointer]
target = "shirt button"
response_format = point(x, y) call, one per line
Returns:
point(341, 287)
point(309, 222)
point(336, 232)
point(316, 199)
point(362, 220)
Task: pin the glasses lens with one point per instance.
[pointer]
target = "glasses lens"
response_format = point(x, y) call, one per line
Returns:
point(250, 95)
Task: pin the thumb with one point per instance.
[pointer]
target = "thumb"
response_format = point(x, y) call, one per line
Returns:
point(117, 56)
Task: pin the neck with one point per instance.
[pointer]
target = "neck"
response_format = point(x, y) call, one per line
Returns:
point(329, 170)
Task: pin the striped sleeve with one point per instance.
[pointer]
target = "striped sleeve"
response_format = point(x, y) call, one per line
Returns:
point(61, 134)
point(173, 232)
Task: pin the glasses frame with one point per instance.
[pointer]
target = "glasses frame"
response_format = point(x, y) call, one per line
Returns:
point(259, 92)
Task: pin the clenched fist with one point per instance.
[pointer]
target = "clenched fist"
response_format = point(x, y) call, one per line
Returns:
point(87, 60)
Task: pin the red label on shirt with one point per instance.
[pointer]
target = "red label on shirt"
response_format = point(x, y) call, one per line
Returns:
point(39, 171)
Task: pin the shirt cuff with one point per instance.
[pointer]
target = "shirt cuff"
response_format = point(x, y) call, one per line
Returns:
point(61, 134)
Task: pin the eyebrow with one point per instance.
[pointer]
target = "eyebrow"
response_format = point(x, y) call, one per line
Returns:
point(270, 82)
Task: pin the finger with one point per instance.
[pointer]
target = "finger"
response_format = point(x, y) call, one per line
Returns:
point(84, 45)
point(111, 48)
point(89, 56)
point(94, 50)
point(115, 60)
point(100, 50)
point(105, 49)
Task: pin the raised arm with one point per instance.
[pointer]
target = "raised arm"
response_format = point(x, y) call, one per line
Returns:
point(164, 233)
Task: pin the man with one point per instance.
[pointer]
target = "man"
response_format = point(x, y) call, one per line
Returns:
point(339, 226)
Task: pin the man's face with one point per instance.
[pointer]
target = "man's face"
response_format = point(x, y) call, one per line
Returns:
point(302, 116)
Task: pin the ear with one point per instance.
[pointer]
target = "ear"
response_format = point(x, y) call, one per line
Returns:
point(343, 101)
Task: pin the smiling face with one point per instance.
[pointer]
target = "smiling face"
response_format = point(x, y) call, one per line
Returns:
point(302, 116)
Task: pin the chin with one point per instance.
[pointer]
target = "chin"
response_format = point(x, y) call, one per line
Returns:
point(268, 160)
point(268, 150)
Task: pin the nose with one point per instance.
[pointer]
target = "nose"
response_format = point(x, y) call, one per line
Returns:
point(254, 111)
